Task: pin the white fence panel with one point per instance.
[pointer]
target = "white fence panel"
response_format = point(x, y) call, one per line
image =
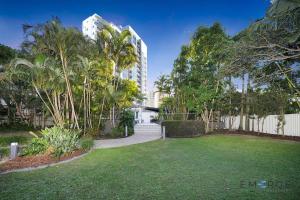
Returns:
point(268, 124)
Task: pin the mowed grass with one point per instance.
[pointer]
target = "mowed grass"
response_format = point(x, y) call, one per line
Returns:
point(209, 167)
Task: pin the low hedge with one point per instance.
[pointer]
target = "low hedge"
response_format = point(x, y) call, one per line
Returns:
point(184, 128)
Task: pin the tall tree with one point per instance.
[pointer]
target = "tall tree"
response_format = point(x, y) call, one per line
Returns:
point(196, 83)
point(62, 45)
point(116, 47)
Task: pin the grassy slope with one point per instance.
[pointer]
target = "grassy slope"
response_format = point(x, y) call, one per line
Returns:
point(202, 168)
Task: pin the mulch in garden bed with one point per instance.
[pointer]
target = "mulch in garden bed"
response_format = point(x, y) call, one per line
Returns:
point(241, 132)
point(35, 161)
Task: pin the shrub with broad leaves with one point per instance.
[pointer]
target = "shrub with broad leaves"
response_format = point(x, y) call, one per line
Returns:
point(36, 146)
point(56, 141)
point(61, 140)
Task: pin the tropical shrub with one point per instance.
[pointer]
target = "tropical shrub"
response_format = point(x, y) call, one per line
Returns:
point(117, 132)
point(61, 140)
point(92, 132)
point(36, 146)
point(86, 143)
point(4, 152)
point(126, 119)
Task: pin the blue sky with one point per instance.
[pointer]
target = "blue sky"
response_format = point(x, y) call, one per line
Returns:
point(164, 25)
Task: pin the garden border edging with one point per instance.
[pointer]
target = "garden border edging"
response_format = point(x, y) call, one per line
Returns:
point(45, 166)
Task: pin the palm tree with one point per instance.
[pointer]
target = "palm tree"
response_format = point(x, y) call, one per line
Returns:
point(116, 46)
point(48, 92)
point(62, 44)
point(163, 84)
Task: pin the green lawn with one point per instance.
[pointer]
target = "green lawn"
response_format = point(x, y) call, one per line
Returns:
point(211, 167)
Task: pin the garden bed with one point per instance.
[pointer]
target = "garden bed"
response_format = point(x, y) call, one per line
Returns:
point(241, 132)
point(37, 160)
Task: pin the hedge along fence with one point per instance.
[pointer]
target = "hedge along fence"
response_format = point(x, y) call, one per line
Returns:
point(184, 128)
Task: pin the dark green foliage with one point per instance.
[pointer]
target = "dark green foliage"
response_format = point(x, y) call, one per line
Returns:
point(16, 126)
point(6, 54)
point(4, 152)
point(194, 84)
point(126, 119)
point(117, 132)
point(6, 140)
point(37, 146)
point(184, 128)
point(86, 143)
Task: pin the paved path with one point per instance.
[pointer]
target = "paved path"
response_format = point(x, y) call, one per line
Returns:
point(143, 133)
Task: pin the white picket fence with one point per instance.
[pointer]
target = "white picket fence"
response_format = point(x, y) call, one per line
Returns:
point(268, 125)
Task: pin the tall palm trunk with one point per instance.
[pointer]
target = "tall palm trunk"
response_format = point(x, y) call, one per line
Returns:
point(115, 86)
point(89, 106)
point(47, 106)
point(113, 116)
point(67, 108)
point(69, 89)
point(101, 112)
point(84, 106)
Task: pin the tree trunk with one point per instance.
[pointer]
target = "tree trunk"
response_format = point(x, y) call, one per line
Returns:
point(241, 126)
point(211, 118)
point(67, 108)
point(219, 119)
point(69, 89)
point(34, 115)
point(253, 123)
point(89, 110)
point(44, 117)
point(258, 120)
point(263, 123)
point(283, 120)
point(8, 113)
point(49, 109)
point(113, 116)
point(247, 126)
point(100, 117)
point(230, 106)
point(205, 118)
point(84, 106)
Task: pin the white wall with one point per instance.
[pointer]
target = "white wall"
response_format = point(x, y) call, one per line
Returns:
point(147, 116)
point(269, 124)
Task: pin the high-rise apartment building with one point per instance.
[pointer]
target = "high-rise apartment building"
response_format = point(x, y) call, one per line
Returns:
point(150, 99)
point(138, 73)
